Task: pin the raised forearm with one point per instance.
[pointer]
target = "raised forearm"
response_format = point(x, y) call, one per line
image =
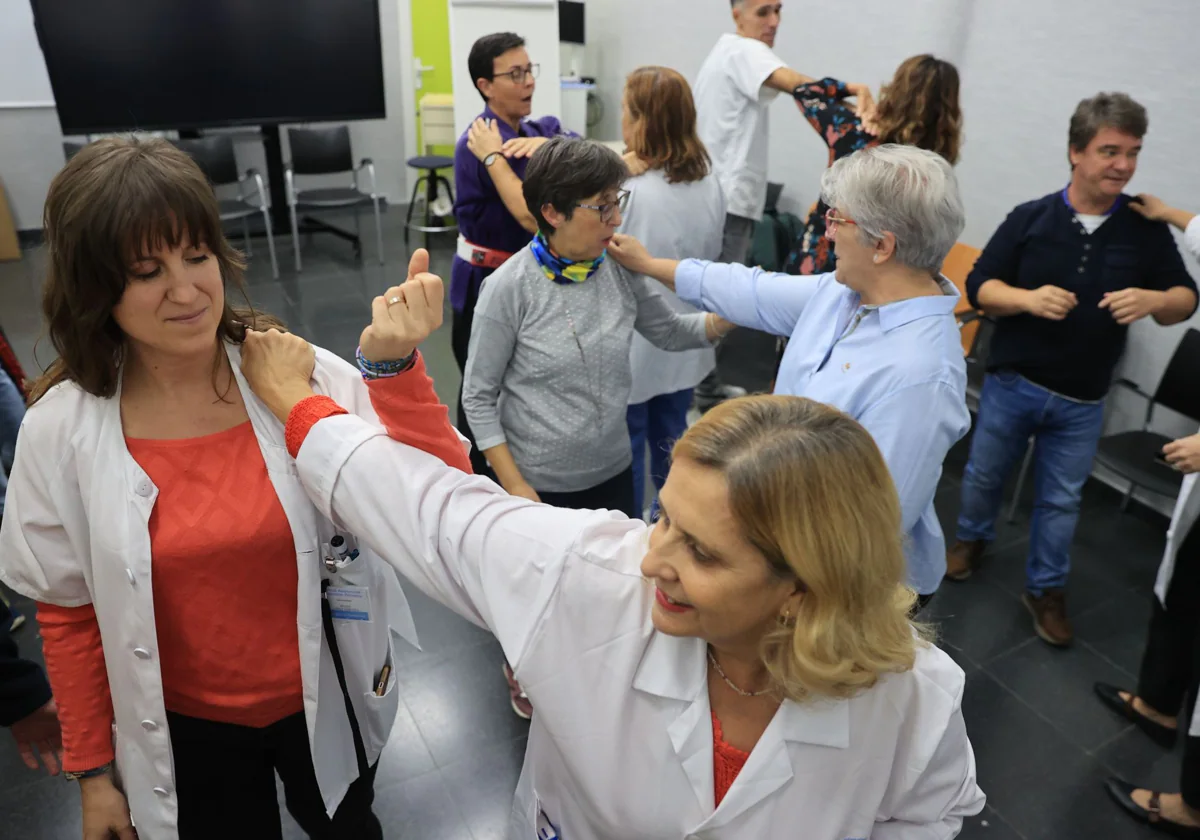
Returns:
point(661, 269)
point(509, 186)
point(787, 80)
point(997, 298)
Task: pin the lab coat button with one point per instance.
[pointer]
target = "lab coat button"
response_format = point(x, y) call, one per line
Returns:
point(162, 791)
point(149, 725)
point(141, 653)
point(132, 577)
point(145, 488)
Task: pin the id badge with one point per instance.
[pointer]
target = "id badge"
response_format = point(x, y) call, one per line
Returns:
point(349, 603)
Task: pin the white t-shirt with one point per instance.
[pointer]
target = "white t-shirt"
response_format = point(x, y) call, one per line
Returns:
point(731, 118)
point(673, 221)
point(1090, 221)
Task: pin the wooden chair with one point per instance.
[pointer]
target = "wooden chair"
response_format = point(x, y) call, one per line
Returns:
point(957, 266)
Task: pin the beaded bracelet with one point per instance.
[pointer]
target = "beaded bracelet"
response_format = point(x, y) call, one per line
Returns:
point(382, 370)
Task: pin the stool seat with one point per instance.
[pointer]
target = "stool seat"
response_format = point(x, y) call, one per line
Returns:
point(431, 162)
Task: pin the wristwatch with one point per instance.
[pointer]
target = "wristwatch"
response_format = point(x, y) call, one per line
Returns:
point(75, 776)
point(490, 159)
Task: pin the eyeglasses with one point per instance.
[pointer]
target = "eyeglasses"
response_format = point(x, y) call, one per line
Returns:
point(832, 220)
point(606, 210)
point(518, 75)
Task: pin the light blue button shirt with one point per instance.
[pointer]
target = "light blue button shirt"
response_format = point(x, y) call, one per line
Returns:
point(898, 369)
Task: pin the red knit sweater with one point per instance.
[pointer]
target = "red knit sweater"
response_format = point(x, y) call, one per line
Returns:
point(227, 638)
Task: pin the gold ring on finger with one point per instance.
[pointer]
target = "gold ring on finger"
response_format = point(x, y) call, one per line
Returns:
point(394, 300)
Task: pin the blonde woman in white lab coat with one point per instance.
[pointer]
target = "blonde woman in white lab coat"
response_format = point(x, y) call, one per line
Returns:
point(745, 668)
point(1170, 674)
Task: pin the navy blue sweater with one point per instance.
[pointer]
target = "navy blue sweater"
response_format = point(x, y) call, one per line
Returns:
point(1042, 243)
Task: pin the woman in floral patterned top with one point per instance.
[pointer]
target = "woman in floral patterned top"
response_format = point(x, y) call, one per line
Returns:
point(919, 108)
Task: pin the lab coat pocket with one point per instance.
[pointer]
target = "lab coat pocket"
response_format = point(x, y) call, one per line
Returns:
point(380, 708)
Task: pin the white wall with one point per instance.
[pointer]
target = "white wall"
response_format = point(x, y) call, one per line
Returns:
point(31, 140)
point(534, 20)
point(1024, 65)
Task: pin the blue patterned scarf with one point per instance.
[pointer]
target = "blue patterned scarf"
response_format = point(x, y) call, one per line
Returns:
point(560, 270)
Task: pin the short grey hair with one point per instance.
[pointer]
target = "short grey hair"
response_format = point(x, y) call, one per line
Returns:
point(1106, 110)
point(908, 191)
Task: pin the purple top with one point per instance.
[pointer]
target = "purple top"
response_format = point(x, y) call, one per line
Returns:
point(480, 212)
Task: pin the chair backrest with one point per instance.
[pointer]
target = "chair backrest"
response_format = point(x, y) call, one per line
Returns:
point(1177, 389)
point(956, 267)
point(214, 155)
point(319, 151)
point(70, 148)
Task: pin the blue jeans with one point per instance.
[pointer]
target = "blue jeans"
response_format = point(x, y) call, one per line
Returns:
point(1066, 432)
point(658, 422)
point(12, 409)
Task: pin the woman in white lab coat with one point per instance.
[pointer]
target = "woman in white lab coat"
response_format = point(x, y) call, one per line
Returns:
point(186, 585)
point(675, 202)
point(745, 668)
point(1165, 698)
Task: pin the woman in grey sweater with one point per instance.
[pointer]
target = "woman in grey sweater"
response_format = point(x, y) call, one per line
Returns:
point(547, 376)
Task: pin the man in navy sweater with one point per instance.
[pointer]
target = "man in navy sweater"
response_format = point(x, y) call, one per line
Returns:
point(1064, 276)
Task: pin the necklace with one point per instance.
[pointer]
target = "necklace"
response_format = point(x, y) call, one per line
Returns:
point(729, 682)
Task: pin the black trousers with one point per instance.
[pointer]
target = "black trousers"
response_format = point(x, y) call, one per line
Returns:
point(460, 340)
point(225, 780)
point(614, 494)
point(1170, 675)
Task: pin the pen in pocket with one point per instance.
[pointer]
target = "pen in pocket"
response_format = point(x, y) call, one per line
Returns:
point(381, 686)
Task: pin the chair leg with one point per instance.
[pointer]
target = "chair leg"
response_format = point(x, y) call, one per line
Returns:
point(295, 235)
point(1128, 496)
point(378, 228)
point(431, 185)
point(1016, 497)
point(271, 243)
point(412, 201)
point(246, 235)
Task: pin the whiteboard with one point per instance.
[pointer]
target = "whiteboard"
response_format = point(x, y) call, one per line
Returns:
point(534, 20)
point(23, 79)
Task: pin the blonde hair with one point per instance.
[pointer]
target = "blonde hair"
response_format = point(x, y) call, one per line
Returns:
point(810, 490)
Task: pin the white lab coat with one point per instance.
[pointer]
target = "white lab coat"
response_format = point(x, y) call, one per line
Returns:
point(621, 740)
point(76, 532)
point(673, 221)
point(732, 118)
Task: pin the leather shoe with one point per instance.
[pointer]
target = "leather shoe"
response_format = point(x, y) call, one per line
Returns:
point(1122, 794)
point(1110, 696)
point(962, 557)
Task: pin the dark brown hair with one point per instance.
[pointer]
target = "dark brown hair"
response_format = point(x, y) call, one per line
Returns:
point(1106, 110)
point(660, 102)
point(919, 107)
point(113, 200)
point(565, 171)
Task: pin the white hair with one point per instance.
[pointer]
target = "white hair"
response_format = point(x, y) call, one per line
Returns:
point(911, 193)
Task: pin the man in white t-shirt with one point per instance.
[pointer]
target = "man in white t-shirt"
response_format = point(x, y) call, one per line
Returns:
point(735, 87)
point(737, 84)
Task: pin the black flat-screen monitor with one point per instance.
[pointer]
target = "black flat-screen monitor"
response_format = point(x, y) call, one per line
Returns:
point(119, 65)
point(570, 22)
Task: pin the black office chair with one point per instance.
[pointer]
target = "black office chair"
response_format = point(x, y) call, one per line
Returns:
point(215, 157)
point(321, 151)
point(1132, 454)
point(431, 177)
point(71, 148)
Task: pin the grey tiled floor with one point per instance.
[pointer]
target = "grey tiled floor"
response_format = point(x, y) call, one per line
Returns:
point(1042, 743)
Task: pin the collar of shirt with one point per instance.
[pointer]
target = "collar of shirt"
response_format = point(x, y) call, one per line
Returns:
point(893, 315)
point(1113, 209)
point(507, 132)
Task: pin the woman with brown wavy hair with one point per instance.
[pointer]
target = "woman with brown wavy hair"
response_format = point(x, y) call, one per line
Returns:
point(191, 599)
point(675, 202)
point(919, 107)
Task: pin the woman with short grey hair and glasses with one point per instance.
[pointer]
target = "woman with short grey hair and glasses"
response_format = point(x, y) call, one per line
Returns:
point(548, 376)
point(876, 338)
